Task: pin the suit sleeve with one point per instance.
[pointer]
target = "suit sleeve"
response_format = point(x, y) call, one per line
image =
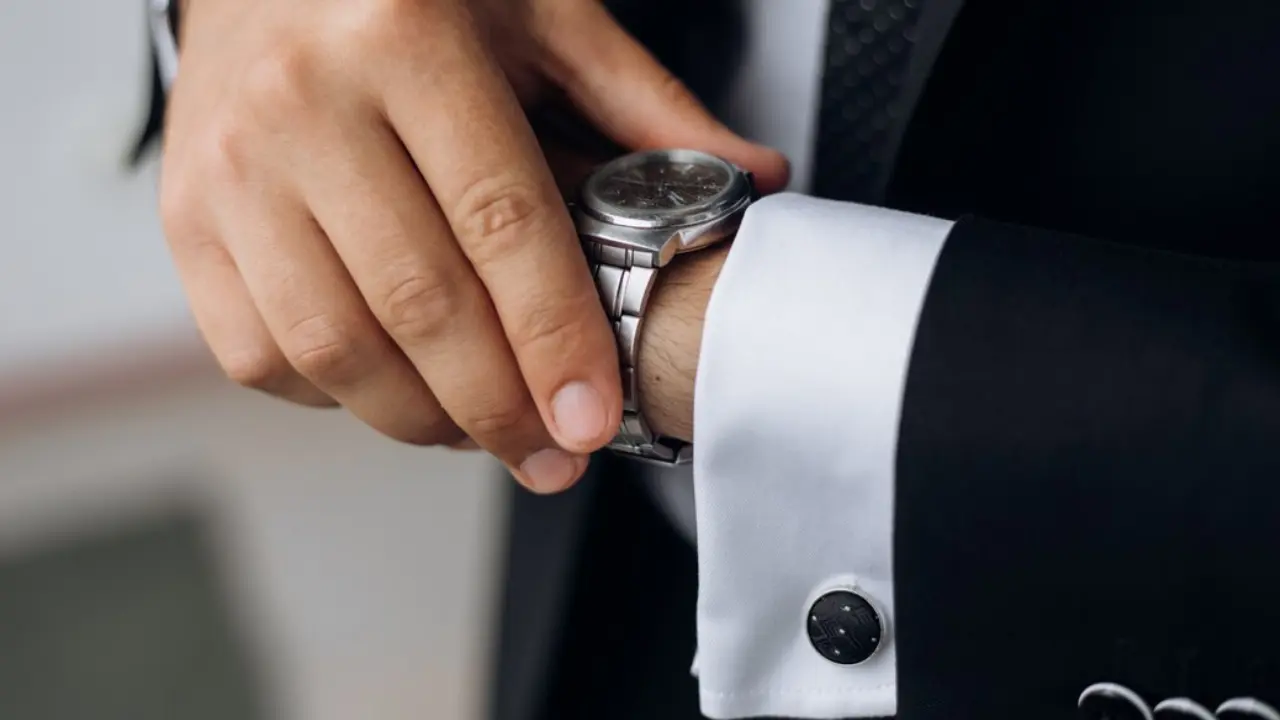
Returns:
point(1029, 449)
point(1089, 446)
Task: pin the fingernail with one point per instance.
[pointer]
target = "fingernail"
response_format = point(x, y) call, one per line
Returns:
point(579, 413)
point(550, 470)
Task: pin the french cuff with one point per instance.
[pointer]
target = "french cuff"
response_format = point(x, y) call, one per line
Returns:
point(799, 391)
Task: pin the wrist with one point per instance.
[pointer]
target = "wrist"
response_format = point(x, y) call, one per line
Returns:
point(669, 344)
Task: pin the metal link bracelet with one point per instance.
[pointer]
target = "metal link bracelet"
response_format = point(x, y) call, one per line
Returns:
point(625, 279)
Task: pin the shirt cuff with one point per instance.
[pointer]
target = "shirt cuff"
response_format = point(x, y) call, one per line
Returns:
point(799, 391)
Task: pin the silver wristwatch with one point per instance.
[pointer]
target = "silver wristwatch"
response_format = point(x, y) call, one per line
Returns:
point(634, 215)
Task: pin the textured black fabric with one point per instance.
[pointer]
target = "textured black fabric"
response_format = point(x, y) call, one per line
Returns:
point(1084, 488)
point(630, 621)
point(1086, 478)
point(1140, 121)
point(539, 570)
point(868, 49)
point(1083, 484)
point(1088, 437)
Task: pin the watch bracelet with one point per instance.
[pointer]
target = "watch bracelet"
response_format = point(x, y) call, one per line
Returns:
point(625, 279)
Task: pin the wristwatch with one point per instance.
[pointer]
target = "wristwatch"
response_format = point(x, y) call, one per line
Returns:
point(633, 215)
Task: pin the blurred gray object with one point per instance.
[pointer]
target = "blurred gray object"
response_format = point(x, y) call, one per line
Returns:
point(126, 625)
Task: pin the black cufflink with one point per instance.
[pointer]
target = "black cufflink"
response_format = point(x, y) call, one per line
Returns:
point(844, 627)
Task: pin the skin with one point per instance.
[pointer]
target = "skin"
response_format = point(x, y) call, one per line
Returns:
point(671, 339)
point(362, 214)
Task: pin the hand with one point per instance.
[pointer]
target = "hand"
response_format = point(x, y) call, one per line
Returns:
point(670, 343)
point(361, 214)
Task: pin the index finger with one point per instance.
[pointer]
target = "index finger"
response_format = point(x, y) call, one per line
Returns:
point(463, 125)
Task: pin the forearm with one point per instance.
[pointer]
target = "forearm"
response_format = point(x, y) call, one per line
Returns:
point(671, 340)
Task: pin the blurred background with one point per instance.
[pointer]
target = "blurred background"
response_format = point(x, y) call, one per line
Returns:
point(172, 546)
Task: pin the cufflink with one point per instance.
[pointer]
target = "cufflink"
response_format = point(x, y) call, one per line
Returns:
point(845, 627)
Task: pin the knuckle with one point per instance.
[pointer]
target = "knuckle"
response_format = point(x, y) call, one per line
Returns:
point(279, 81)
point(420, 307)
point(436, 430)
point(552, 326)
point(258, 368)
point(499, 419)
point(225, 157)
point(180, 207)
point(498, 213)
point(673, 90)
point(379, 24)
point(545, 18)
point(325, 353)
point(333, 364)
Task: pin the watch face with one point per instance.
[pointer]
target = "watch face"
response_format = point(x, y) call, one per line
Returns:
point(660, 187)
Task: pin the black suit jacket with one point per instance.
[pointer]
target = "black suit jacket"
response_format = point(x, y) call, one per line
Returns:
point(1088, 484)
point(1088, 481)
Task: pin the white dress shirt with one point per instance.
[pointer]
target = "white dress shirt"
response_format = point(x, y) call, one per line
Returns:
point(774, 100)
point(800, 381)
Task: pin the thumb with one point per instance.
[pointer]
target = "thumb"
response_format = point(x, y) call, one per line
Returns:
point(632, 98)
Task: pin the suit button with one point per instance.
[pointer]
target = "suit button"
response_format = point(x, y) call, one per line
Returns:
point(1246, 709)
point(1108, 701)
point(844, 627)
point(1181, 709)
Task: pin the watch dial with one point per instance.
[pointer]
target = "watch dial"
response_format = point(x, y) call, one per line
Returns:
point(660, 184)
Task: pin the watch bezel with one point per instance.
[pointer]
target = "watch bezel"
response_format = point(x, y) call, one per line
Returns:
point(734, 195)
